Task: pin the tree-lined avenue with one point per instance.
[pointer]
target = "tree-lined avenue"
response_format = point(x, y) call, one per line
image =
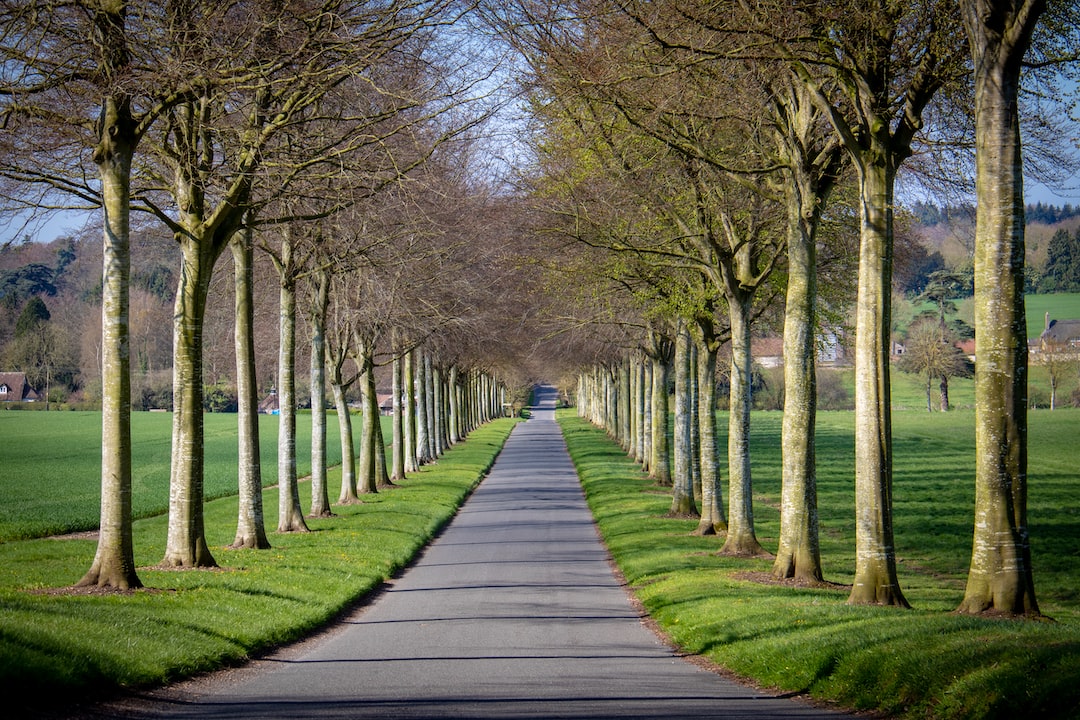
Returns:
point(512, 612)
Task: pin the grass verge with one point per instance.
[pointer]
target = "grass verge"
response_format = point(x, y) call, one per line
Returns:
point(925, 662)
point(63, 647)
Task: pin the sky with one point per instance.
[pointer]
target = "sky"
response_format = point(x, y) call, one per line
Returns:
point(72, 223)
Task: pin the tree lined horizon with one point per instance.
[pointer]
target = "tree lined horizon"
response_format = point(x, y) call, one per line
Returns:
point(690, 173)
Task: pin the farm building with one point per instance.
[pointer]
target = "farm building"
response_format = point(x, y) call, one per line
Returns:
point(13, 388)
point(1060, 333)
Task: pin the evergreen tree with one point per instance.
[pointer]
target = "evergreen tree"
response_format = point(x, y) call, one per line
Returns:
point(1062, 270)
point(33, 315)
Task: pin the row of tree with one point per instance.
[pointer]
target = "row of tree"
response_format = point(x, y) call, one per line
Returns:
point(330, 135)
point(706, 158)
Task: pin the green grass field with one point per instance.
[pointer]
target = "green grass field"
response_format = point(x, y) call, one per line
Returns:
point(1061, 306)
point(925, 662)
point(57, 646)
point(50, 465)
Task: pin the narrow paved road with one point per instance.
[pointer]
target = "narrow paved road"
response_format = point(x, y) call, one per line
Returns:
point(512, 613)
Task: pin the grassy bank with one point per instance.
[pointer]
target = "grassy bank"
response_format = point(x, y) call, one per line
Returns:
point(925, 662)
point(59, 646)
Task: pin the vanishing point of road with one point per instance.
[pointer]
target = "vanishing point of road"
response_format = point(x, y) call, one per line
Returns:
point(512, 612)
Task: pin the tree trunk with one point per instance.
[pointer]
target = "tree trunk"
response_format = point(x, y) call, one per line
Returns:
point(625, 424)
point(660, 464)
point(798, 552)
point(453, 407)
point(438, 401)
point(114, 563)
point(646, 415)
point(712, 512)
point(409, 408)
point(378, 443)
point(423, 455)
point(943, 390)
point(348, 494)
point(367, 480)
point(250, 523)
point(741, 539)
point(290, 515)
point(875, 554)
point(320, 495)
point(682, 501)
point(186, 541)
point(1000, 578)
point(398, 431)
point(432, 409)
point(695, 423)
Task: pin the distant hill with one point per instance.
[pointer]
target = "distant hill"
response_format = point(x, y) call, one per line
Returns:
point(951, 230)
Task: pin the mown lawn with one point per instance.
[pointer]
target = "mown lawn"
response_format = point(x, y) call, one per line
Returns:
point(924, 662)
point(57, 646)
point(50, 465)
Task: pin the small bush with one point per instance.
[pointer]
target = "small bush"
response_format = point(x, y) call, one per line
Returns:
point(831, 392)
point(220, 398)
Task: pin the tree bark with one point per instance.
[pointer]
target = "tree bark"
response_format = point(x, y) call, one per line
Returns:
point(438, 401)
point(741, 539)
point(186, 542)
point(875, 554)
point(290, 514)
point(423, 454)
point(660, 464)
point(114, 563)
point(348, 495)
point(320, 495)
point(398, 429)
point(1000, 578)
point(378, 442)
point(798, 552)
point(367, 479)
point(453, 403)
point(250, 523)
point(646, 415)
point(712, 512)
point(409, 409)
point(682, 501)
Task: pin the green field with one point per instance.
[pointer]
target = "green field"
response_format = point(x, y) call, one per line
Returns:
point(1061, 306)
point(924, 662)
point(63, 647)
point(50, 465)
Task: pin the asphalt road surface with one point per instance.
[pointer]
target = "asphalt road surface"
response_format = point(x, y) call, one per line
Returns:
point(513, 612)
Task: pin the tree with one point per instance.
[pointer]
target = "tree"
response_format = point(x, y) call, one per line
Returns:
point(682, 502)
point(317, 310)
point(930, 349)
point(888, 60)
point(1000, 577)
point(945, 361)
point(1061, 360)
point(813, 161)
point(289, 268)
point(59, 59)
point(292, 94)
point(40, 350)
point(1062, 270)
point(712, 520)
point(250, 525)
